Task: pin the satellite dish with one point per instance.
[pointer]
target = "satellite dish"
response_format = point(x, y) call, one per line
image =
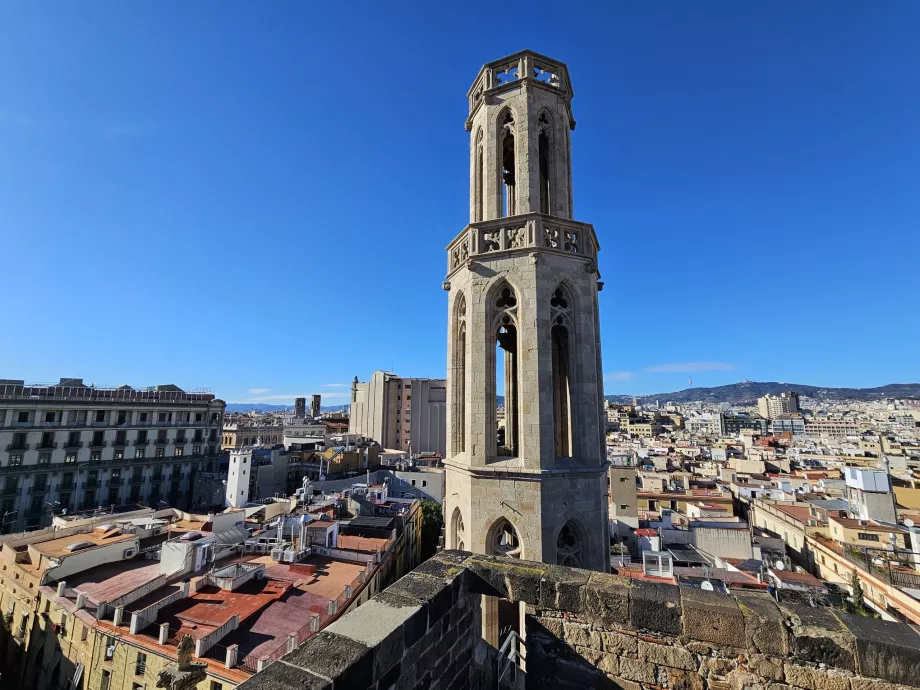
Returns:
point(706, 586)
point(908, 522)
point(779, 565)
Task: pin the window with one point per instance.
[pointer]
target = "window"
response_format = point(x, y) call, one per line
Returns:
point(142, 417)
point(106, 677)
point(623, 506)
point(15, 460)
point(140, 664)
point(23, 417)
point(70, 458)
point(95, 456)
point(216, 686)
point(561, 314)
point(506, 135)
point(424, 483)
point(160, 452)
point(161, 417)
point(867, 536)
point(413, 482)
point(49, 417)
point(199, 416)
point(543, 125)
point(137, 686)
point(118, 455)
point(109, 645)
point(138, 453)
point(100, 415)
point(196, 450)
point(122, 417)
point(179, 451)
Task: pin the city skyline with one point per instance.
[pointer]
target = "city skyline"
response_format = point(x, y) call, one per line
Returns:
point(790, 150)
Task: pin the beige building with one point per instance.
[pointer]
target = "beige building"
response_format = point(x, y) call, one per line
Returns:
point(523, 274)
point(408, 414)
point(78, 447)
point(774, 406)
point(236, 435)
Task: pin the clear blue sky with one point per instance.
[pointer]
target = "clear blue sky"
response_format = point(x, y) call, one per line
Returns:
point(257, 196)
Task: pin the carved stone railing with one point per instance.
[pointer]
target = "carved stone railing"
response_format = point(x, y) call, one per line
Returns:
point(520, 233)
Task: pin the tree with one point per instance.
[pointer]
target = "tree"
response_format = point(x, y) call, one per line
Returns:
point(856, 595)
point(432, 524)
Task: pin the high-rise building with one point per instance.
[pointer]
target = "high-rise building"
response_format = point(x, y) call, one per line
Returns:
point(772, 406)
point(523, 275)
point(71, 446)
point(400, 413)
point(315, 406)
point(300, 408)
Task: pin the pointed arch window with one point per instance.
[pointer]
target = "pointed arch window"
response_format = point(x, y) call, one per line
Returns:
point(478, 177)
point(458, 377)
point(568, 546)
point(504, 540)
point(508, 189)
point(459, 531)
point(505, 370)
point(561, 337)
point(544, 129)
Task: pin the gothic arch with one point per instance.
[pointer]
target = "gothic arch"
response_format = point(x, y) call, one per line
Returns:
point(562, 341)
point(571, 544)
point(458, 537)
point(495, 544)
point(458, 357)
point(506, 138)
point(479, 176)
point(503, 342)
point(546, 165)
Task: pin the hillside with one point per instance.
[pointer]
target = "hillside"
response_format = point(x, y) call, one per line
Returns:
point(747, 392)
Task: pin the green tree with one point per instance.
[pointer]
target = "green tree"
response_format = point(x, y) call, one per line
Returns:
point(856, 595)
point(432, 523)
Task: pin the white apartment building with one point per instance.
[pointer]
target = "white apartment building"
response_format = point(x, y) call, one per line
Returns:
point(70, 446)
point(401, 413)
point(773, 406)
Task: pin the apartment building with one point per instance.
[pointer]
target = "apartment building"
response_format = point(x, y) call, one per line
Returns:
point(401, 413)
point(772, 406)
point(239, 435)
point(69, 446)
point(830, 428)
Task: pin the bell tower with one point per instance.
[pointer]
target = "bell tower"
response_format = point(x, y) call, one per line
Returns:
point(526, 458)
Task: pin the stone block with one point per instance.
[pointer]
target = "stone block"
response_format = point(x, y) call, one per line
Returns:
point(764, 625)
point(552, 625)
point(860, 683)
point(436, 596)
point(655, 606)
point(280, 676)
point(639, 671)
point(684, 680)
point(581, 635)
point(606, 599)
point(380, 627)
point(818, 636)
point(668, 655)
point(445, 565)
point(712, 617)
point(346, 662)
point(506, 578)
point(561, 589)
point(811, 678)
point(620, 644)
point(718, 666)
point(621, 683)
point(766, 667)
point(886, 650)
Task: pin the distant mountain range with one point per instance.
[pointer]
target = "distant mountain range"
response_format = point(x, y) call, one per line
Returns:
point(747, 392)
point(245, 407)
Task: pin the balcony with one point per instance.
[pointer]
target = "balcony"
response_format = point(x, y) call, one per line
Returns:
point(97, 444)
point(69, 486)
point(141, 441)
point(136, 480)
point(47, 445)
point(161, 441)
point(120, 442)
point(92, 484)
point(73, 445)
point(39, 489)
point(16, 447)
point(10, 490)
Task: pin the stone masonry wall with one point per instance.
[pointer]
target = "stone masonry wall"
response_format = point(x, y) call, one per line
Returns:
point(594, 630)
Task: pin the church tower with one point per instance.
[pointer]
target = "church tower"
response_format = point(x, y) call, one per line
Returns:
point(526, 458)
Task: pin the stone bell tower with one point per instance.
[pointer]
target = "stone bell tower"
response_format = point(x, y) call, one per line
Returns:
point(526, 458)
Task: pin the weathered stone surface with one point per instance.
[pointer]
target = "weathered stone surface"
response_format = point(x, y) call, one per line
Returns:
point(764, 625)
point(382, 629)
point(815, 678)
point(712, 617)
point(890, 651)
point(561, 589)
point(668, 655)
point(818, 636)
point(552, 625)
point(281, 676)
point(445, 565)
point(427, 591)
point(581, 635)
point(620, 644)
point(639, 671)
point(346, 662)
point(718, 666)
point(519, 581)
point(766, 667)
point(740, 679)
point(684, 680)
point(621, 683)
point(859, 683)
point(606, 599)
point(655, 606)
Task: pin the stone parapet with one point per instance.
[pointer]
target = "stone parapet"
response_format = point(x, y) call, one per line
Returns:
point(594, 630)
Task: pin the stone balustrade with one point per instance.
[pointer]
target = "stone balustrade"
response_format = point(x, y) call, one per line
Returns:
point(593, 630)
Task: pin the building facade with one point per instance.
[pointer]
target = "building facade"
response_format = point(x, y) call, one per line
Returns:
point(771, 406)
point(523, 275)
point(236, 435)
point(70, 446)
point(402, 413)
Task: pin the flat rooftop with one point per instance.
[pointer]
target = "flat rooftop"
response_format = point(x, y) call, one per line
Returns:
point(56, 548)
point(108, 582)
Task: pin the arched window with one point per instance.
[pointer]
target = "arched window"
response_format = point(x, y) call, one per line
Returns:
point(505, 370)
point(458, 376)
point(568, 546)
point(544, 128)
point(503, 540)
point(506, 150)
point(458, 531)
point(561, 329)
point(478, 177)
